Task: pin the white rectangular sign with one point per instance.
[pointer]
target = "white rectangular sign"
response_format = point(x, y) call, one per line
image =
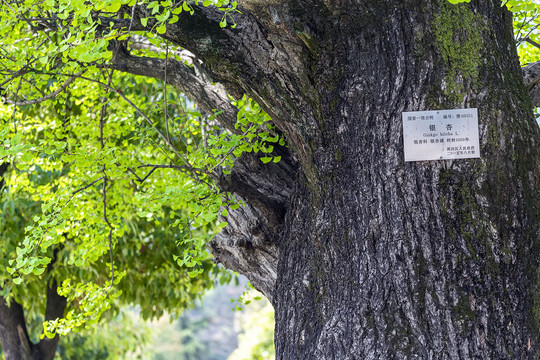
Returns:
point(441, 134)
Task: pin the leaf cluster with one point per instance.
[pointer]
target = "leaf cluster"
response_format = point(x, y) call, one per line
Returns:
point(86, 164)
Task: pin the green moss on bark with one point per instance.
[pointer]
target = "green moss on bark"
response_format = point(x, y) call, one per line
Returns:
point(458, 38)
point(464, 313)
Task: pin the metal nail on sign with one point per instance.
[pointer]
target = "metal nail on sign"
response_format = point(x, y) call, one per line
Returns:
point(441, 134)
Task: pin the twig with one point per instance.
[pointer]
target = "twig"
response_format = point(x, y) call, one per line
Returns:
point(103, 113)
point(139, 111)
point(33, 85)
point(47, 97)
point(64, 121)
point(15, 108)
point(147, 119)
point(83, 188)
point(132, 17)
point(146, 177)
point(178, 167)
point(532, 42)
point(532, 18)
point(524, 38)
point(105, 178)
point(67, 202)
point(165, 93)
point(9, 6)
point(189, 171)
point(110, 229)
point(230, 151)
point(22, 71)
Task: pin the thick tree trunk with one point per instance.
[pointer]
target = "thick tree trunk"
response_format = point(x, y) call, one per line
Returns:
point(384, 259)
point(431, 260)
point(16, 344)
point(54, 309)
point(13, 334)
point(365, 256)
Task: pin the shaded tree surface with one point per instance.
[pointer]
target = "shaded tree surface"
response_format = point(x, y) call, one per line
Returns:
point(363, 255)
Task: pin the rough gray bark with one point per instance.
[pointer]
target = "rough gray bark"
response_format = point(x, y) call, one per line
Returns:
point(531, 77)
point(365, 256)
point(13, 333)
point(249, 243)
point(16, 344)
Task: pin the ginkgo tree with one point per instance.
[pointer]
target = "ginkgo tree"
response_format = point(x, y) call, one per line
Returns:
point(362, 254)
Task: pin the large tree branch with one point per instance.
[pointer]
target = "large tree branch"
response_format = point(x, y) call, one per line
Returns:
point(248, 244)
point(192, 81)
point(248, 59)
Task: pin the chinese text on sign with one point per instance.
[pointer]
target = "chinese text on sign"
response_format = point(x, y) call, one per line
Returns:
point(441, 134)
